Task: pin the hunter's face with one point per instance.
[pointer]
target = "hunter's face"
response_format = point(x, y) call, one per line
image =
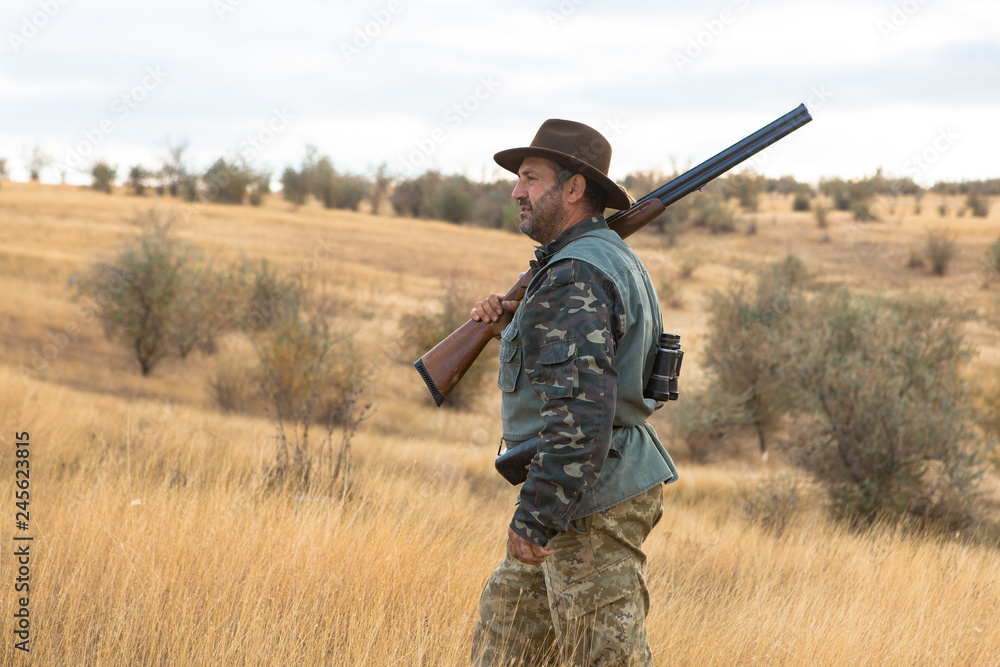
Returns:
point(540, 198)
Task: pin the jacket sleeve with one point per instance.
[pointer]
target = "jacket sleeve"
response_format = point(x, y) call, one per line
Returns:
point(569, 332)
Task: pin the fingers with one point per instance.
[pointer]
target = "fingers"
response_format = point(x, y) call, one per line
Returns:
point(525, 551)
point(489, 309)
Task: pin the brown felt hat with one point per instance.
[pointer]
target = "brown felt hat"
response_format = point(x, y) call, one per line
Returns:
point(573, 145)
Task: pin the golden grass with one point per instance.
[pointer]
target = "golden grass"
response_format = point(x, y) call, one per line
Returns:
point(155, 543)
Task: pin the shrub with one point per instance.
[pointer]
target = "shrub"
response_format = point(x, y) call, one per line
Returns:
point(104, 176)
point(993, 256)
point(802, 202)
point(746, 186)
point(820, 212)
point(227, 183)
point(709, 210)
point(940, 250)
point(978, 205)
point(454, 202)
point(743, 349)
point(309, 374)
point(136, 295)
point(888, 424)
point(706, 419)
point(137, 177)
point(292, 187)
point(772, 501)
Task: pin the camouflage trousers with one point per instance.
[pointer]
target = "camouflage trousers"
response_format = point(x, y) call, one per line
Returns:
point(584, 605)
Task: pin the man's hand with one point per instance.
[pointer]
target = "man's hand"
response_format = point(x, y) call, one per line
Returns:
point(525, 551)
point(493, 309)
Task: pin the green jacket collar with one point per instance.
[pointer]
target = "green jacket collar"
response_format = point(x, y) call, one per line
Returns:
point(545, 252)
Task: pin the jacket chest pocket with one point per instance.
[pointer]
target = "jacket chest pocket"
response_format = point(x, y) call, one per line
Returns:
point(556, 375)
point(509, 378)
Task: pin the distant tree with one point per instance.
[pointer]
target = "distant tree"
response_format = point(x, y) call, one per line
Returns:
point(227, 183)
point(3, 169)
point(454, 202)
point(978, 205)
point(802, 202)
point(292, 187)
point(260, 185)
point(37, 161)
point(746, 186)
point(347, 191)
point(104, 176)
point(173, 172)
point(407, 198)
point(380, 187)
point(137, 177)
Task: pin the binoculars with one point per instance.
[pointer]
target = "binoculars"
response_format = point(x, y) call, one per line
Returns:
point(662, 383)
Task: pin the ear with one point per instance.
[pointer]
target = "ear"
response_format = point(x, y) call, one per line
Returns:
point(573, 188)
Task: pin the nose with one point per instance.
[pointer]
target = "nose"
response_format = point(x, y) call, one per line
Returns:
point(520, 191)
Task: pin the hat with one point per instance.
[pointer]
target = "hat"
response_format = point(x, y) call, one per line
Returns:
point(573, 145)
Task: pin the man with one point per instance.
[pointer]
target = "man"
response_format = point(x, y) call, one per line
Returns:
point(575, 354)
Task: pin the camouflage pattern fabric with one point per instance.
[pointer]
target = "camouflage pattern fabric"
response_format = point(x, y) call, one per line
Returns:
point(584, 605)
point(569, 323)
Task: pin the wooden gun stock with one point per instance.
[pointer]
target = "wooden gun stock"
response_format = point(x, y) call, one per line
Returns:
point(446, 364)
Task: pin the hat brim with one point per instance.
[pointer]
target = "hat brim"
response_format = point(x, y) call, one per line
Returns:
point(512, 158)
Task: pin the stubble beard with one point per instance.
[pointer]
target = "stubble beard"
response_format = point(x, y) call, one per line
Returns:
point(541, 222)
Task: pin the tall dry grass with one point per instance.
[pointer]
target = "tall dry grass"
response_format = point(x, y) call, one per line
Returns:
point(157, 543)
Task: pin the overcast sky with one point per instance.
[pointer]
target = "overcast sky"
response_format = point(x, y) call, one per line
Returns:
point(910, 86)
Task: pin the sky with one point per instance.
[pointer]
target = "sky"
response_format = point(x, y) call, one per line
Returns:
point(908, 86)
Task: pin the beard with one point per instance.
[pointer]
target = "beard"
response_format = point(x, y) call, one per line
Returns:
point(543, 219)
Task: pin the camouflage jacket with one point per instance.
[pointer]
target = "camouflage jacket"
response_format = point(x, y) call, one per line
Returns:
point(573, 364)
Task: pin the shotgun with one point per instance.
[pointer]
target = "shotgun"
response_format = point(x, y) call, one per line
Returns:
point(444, 366)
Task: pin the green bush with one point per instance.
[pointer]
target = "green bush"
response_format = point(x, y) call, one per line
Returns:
point(292, 187)
point(137, 177)
point(705, 420)
point(743, 350)
point(227, 183)
point(821, 220)
point(941, 249)
point(136, 296)
point(887, 422)
point(978, 205)
point(802, 202)
point(709, 210)
point(104, 176)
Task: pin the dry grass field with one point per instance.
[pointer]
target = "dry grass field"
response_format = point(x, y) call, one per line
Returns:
point(155, 541)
